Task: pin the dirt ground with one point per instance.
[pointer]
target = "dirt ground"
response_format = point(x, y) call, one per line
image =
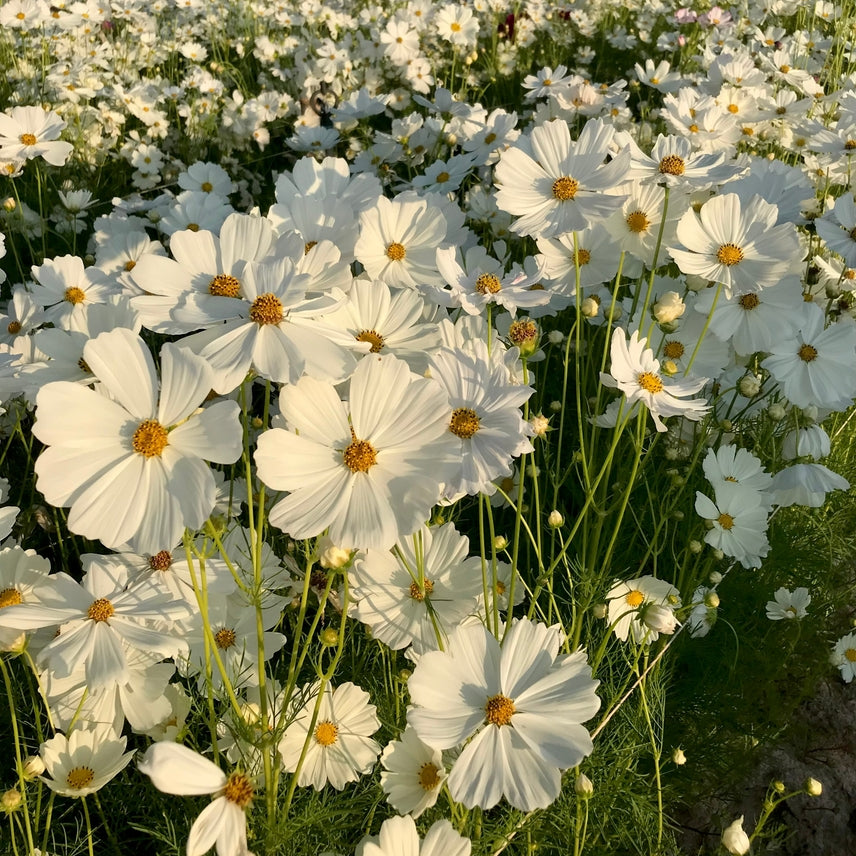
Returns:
point(821, 745)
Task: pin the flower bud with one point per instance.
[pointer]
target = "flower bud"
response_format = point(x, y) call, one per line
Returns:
point(678, 757)
point(329, 637)
point(669, 368)
point(813, 787)
point(669, 307)
point(718, 554)
point(555, 519)
point(556, 337)
point(540, 425)
point(331, 557)
point(33, 767)
point(734, 839)
point(599, 610)
point(583, 786)
point(11, 800)
point(500, 543)
point(555, 406)
point(660, 618)
point(778, 787)
point(749, 386)
point(776, 412)
point(711, 600)
point(695, 547)
point(715, 578)
point(590, 307)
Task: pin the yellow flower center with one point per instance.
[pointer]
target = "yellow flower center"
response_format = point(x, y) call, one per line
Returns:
point(161, 561)
point(488, 283)
point(266, 309)
point(850, 145)
point(784, 69)
point(326, 733)
point(150, 438)
point(429, 777)
point(225, 638)
point(522, 331)
point(130, 265)
point(499, 710)
point(637, 222)
point(489, 138)
point(360, 456)
point(10, 597)
point(649, 382)
point(395, 252)
point(239, 790)
point(749, 301)
point(726, 521)
point(850, 654)
point(206, 187)
point(14, 327)
point(100, 610)
point(583, 257)
point(224, 285)
point(74, 295)
point(672, 165)
point(465, 422)
point(28, 139)
point(693, 129)
point(634, 598)
point(308, 246)
point(192, 227)
point(565, 188)
point(673, 350)
point(79, 777)
point(733, 108)
point(455, 27)
point(807, 353)
point(729, 254)
point(500, 587)
point(442, 177)
point(371, 336)
point(420, 593)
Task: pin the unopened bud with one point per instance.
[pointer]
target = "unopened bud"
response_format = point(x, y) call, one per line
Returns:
point(10, 800)
point(669, 308)
point(329, 637)
point(813, 787)
point(715, 578)
point(33, 767)
point(540, 425)
point(749, 386)
point(599, 610)
point(779, 787)
point(500, 543)
point(660, 618)
point(583, 786)
point(556, 337)
point(590, 308)
point(695, 546)
point(330, 556)
point(679, 757)
point(711, 600)
point(776, 412)
point(555, 519)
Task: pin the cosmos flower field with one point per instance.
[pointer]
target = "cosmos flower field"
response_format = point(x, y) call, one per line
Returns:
point(408, 413)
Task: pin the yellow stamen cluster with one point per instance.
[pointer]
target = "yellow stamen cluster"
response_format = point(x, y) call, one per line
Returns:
point(726, 521)
point(326, 733)
point(373, 337)
point(10, 597)
point(308, 246)
point(150, 438)
point(74, 295)
point(583, 257)
point(442, 177)
point(807, 353)
point(634, 598)
point(499, 710)
point(421, 593)
point(465, 422)
point(672, 165)
point(649, 382)
point(79, 777)
point(266, 309)
point(850, 655)
point(565, 188)
point(225, 638)
point(100, 610)
point(429, 777)
point(729, 254)
point(239, 790)
point(224, 285)
point(522, 331)
point(637, 222)
point(161, 561)
point(28, 139)
point(488, 283)
point(395, 252)
point(749, 301)
point(360, 456)
point(673, 350)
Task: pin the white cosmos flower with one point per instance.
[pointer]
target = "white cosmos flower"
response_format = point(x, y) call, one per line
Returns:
point(340, 748)
point(175, 769)
point(630, 600)
point(132, 465)
point(736, 243)
point(412, 774)
point(788, 604)
point(369, 469)
point(556, 185)
point(521, 703)
point(31, 132)
point(738, 466)
point(83, 761)
point(635, 371)
point(398, 837)
point(739, 522)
